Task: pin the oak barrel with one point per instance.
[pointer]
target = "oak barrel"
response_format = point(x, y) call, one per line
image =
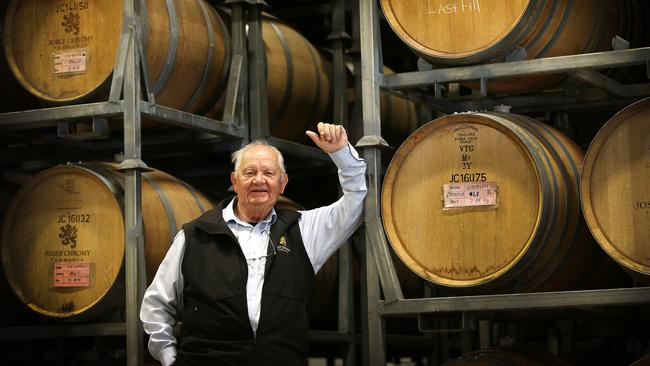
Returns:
point(63, 236)
point(615, 188)
point(477, 31)
point(298, 81)
point(65, 52)
point(489, 202)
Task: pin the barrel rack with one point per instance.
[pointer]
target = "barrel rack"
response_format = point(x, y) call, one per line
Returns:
point(245, 118)
point(380, 272)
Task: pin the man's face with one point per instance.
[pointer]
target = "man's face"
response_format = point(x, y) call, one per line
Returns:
point(258, 181)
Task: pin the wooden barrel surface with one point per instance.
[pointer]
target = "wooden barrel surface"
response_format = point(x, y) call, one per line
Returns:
point(65, 52)
point(13, 97)
point(643, 361)
point(399, 116)
point(615, 188)
point(298, 82)
point(507, 357)
point(14, 311)
point(488, 202)
point(63, 236)
point(478, 31)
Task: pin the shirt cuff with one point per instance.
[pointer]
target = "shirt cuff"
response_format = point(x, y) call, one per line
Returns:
point(167, 356)
point(346, 156)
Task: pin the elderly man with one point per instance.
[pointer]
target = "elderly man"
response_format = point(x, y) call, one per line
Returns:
point(240, 277)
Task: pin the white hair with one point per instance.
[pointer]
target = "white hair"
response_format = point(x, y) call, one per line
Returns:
point(237, 155)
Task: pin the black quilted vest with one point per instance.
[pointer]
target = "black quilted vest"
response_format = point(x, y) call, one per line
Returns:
point(215, 328)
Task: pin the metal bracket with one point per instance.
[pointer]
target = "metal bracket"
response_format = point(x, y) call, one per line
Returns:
point(120, 66)
point(619, 43)
point(424, 65)
point(233, 95)
point(342, 35)
point(139, 42)
point(372, 141)
point(131, 24)
point(133, 164)
point(518, 54)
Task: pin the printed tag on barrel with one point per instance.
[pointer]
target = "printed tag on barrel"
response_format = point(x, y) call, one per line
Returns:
point(71, 274)
point(459, 195)
point(71, 62)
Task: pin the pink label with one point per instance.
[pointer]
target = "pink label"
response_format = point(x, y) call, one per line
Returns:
point(72, 274)
point(458, 195)
point(72, 62)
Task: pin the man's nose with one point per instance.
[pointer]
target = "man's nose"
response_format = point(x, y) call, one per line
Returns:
point(258, 178)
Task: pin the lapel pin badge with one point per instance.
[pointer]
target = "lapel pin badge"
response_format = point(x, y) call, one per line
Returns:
point(283, 245)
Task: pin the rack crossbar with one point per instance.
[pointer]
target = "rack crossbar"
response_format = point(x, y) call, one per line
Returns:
point(548, 65)
point(522, 301)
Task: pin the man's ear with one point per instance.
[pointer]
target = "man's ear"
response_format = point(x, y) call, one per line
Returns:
point(233, 180)
point(284, 179)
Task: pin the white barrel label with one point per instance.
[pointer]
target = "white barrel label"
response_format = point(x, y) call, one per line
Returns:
point(71, 274)
point(458, 195)
point(70, 62)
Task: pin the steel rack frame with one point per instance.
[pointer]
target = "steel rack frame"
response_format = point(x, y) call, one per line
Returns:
point(380, 276)
point(245, 115)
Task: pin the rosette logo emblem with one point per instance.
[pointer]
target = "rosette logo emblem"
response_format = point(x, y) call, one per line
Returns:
point(71, 22)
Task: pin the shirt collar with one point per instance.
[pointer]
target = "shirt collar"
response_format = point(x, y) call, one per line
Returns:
point(229, 215)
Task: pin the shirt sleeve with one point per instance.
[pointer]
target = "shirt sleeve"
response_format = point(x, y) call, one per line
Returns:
point(324, 229)
point(160, 303)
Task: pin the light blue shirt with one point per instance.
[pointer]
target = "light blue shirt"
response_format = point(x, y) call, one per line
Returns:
point(323, 231)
